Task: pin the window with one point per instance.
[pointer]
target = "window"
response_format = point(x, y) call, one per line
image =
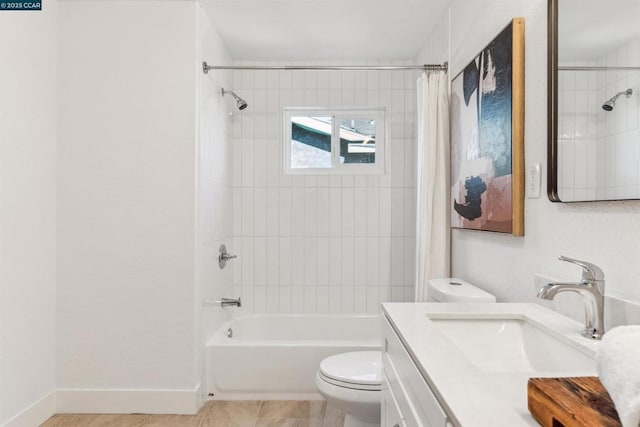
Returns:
point(334, 141)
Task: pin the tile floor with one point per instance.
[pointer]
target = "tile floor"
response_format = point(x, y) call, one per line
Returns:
point(219, 413)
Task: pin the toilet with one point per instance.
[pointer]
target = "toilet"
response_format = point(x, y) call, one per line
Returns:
point(352, 381)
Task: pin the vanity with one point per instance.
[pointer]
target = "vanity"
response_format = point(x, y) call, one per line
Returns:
point(468, 364)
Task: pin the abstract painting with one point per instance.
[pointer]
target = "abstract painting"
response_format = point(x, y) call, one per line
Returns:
point(487, 137)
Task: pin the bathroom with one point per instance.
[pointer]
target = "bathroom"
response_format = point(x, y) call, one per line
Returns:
point(124, 169)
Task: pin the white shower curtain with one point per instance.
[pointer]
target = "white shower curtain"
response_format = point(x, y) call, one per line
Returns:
point(432, 225)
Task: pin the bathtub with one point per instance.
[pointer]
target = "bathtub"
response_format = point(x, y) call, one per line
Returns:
point(276, 356)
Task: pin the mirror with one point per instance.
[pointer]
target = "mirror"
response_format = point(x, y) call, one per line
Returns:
point(594, 100)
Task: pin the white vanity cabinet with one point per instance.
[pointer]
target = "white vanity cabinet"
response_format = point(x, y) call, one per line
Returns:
point(407, 399)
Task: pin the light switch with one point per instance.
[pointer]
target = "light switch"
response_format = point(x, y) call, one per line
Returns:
point(533, 180)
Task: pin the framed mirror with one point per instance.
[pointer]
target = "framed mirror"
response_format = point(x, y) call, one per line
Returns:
point(594, 100)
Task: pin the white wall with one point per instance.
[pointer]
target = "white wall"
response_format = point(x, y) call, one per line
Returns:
point(127, 206)
point(604, 233)
point(215, 193)
point(28, 90)
point(322, 243)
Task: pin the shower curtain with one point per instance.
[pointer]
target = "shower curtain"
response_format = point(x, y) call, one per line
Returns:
point(432, 227)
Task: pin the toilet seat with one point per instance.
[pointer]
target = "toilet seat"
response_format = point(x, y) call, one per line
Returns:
point(358, 370)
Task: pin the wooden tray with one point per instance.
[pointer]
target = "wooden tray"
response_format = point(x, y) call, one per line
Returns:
point(571, 402)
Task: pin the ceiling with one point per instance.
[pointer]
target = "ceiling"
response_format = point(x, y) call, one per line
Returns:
point(261, 30)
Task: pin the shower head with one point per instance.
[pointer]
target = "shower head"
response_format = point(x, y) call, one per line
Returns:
point(608, 106)
point(242, 104)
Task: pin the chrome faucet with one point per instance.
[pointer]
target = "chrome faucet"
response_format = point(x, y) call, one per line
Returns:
point(591, 287)
point(224, 302)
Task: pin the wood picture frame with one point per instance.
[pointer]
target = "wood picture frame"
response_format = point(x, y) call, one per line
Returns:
point(487, 137)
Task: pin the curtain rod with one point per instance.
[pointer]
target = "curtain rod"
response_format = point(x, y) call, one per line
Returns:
point(426, 67)
point(590, 68)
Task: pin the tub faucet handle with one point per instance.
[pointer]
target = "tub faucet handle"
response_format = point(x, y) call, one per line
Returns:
point(224, 256)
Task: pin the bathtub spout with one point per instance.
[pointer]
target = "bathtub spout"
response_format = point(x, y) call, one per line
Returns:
point(224, 302)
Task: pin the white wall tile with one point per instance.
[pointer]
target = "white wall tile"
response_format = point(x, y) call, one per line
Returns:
point(335, 211)
point(385, 267)
point(397, 212)
point(373, 300)
point(397, 268)
point(237, 162)
point(323, 261)
point(348, 257)
point(273, 299)
point(260, 299)
point(272, 212)
point(297, 261)
point(360, 261)
point(372, 261)
point(310, 212)
point(273, 261)
point(285, 211)
point(248, 264)
point(310, 300)
point(247, 211)
point(323, 211)
point(305, 236)
point(297, 299)
point(285, 299)
point(347, 299)
point(260, 212)
point(247, 163)
point(360, 299)
point(335, 300)
point(335, 261)
point(285, 261)
point(360, 212)
point(310, 261)
point(260, 261)
point(297, 211)
point(260, 163)
point(237, 213)
point(322, 303)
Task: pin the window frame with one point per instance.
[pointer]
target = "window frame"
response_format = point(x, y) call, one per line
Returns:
point(337, 114)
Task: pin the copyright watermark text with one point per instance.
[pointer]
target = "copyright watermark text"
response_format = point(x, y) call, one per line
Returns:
point(20, 5)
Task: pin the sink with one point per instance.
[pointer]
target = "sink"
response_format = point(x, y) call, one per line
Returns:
point(513, 345)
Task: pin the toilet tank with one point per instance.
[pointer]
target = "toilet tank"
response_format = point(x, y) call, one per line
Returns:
point(452, 289)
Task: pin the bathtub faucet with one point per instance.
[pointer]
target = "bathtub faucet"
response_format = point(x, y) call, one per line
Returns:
point(591, 287)
point(224, 302)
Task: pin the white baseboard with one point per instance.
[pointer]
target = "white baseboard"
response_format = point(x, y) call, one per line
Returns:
point(35, 414)
point(266, 396)
point(127, 401)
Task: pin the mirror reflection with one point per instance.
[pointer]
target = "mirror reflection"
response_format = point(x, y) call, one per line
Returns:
point(598, 100)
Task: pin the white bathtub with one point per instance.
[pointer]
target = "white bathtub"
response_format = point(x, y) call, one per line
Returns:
point(276, 356)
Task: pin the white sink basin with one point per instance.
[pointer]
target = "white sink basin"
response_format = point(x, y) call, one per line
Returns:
point(514, 345)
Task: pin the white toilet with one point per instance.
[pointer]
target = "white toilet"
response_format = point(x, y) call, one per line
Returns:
point(352, 381)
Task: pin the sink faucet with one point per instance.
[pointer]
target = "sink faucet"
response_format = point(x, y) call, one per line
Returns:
point(591, 287)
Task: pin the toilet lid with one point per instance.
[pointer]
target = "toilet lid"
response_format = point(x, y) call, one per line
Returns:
point(358, 368)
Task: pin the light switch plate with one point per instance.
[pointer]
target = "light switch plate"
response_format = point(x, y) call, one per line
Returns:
point(533, 180)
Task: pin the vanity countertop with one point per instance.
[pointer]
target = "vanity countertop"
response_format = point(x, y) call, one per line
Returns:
point(470, 396)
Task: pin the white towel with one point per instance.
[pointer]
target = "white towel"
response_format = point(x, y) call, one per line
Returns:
point(618, 363)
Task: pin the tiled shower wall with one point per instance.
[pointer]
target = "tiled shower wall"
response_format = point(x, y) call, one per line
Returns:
point(320, 244)
point(606, 142)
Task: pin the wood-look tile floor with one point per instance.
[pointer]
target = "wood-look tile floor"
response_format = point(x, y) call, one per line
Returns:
point(219, 413)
